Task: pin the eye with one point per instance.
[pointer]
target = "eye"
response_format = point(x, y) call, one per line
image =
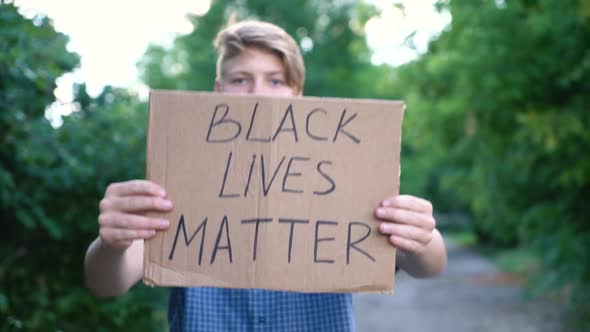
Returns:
point(239, 80)
point(277, 82)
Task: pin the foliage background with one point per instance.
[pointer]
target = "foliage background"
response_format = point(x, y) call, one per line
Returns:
point(497, 132)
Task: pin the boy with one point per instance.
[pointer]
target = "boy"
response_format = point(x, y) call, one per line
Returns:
point(262, 59)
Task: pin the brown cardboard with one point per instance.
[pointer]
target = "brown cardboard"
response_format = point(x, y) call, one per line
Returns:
point(321, 208)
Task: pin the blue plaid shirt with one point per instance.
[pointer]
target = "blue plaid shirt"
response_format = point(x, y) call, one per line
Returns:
point(226, 309)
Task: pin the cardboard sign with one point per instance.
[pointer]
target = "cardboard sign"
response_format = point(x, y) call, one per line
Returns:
point(274, 193)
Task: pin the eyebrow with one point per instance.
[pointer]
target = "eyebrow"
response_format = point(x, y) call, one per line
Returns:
point(275, 73)
point(241, 72)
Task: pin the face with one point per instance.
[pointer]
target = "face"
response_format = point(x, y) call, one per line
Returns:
point(255, 71)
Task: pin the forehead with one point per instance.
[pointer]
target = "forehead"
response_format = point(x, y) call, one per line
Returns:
point(254, 60)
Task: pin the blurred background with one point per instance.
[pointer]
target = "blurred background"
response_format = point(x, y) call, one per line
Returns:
point(496, 132)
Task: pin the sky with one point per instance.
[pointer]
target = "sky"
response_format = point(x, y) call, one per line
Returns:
point(111, 35)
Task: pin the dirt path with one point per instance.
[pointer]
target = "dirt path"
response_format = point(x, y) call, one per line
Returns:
point(472, 295)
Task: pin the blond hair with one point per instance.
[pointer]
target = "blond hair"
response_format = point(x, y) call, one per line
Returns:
point(231, 40)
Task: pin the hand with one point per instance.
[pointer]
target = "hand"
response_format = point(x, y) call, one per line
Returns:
point(121, 218)
point(408, 221)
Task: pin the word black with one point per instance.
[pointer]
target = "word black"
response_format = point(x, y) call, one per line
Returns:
point(223, 129)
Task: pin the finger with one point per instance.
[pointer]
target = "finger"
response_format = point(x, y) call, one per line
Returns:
point(135, 204)
point(113, 235)
point(121, 244)
point(418, 219)
point(408, 202)
point(135, 187)
point(407, 245)
point(408, 232)
point(131, 221)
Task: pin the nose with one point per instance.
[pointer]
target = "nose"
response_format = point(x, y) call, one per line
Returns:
point(258, 87)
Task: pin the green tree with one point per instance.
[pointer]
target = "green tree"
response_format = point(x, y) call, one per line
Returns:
point(501, 101)
point(51, 180)
point(32, 57)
